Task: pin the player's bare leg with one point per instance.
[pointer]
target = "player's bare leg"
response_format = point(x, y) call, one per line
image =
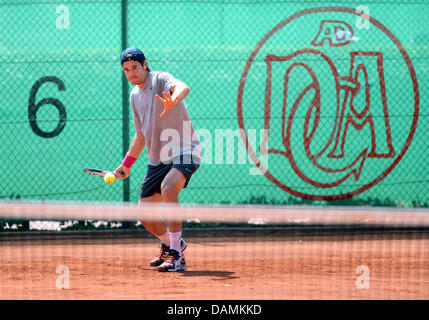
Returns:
point(171, 186)
point(156, 227)
point(160, 230)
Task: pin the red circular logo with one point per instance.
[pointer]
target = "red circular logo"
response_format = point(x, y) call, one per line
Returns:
point(337, 98)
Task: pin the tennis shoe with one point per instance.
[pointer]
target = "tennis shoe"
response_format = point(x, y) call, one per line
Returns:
point(163, 253)
point(183, 245)
point(173, 263)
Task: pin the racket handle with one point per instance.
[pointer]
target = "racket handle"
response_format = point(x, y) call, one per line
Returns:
point(122, 173)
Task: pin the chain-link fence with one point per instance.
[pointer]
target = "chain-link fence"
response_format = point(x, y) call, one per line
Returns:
point(292, 100)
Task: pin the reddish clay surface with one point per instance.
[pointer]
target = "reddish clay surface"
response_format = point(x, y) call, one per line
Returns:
point(229, 268)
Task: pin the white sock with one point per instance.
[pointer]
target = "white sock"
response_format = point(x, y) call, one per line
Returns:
point(175, 241)
point(165, 238)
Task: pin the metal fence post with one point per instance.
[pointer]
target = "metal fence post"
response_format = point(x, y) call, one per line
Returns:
point(125, 98)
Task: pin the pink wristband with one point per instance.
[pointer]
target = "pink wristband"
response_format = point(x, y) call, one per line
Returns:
point(128, 161)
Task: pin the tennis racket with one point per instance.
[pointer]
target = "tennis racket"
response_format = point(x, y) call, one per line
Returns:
point(100, 173)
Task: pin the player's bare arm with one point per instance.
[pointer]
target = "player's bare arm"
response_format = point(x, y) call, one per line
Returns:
point(136, 148)
point(178, 92)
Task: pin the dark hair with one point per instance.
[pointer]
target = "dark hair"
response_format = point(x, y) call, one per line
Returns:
point(147, 68)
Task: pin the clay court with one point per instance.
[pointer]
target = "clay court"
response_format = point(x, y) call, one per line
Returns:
point(260, 268)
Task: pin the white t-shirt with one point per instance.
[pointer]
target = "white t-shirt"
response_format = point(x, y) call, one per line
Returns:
point(165, 138)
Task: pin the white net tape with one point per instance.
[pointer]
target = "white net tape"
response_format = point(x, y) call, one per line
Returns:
point(256, 214)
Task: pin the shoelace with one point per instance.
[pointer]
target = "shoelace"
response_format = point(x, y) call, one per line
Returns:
point(171, 258)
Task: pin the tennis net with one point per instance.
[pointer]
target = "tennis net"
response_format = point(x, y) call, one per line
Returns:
point(69, 250)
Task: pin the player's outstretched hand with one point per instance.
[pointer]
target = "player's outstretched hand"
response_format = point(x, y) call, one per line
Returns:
point(122, 172)
point(168, 102)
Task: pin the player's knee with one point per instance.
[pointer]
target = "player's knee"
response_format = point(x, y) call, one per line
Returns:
point(169, 191)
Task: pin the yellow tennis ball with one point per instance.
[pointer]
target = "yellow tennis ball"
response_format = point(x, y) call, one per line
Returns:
point(109, 178)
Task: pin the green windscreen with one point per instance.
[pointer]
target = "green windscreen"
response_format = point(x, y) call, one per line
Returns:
point(293, 101)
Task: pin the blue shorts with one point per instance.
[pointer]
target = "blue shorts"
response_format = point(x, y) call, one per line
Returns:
point(155, 174)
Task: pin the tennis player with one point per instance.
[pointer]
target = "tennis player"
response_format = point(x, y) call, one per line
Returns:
point(163, 125)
